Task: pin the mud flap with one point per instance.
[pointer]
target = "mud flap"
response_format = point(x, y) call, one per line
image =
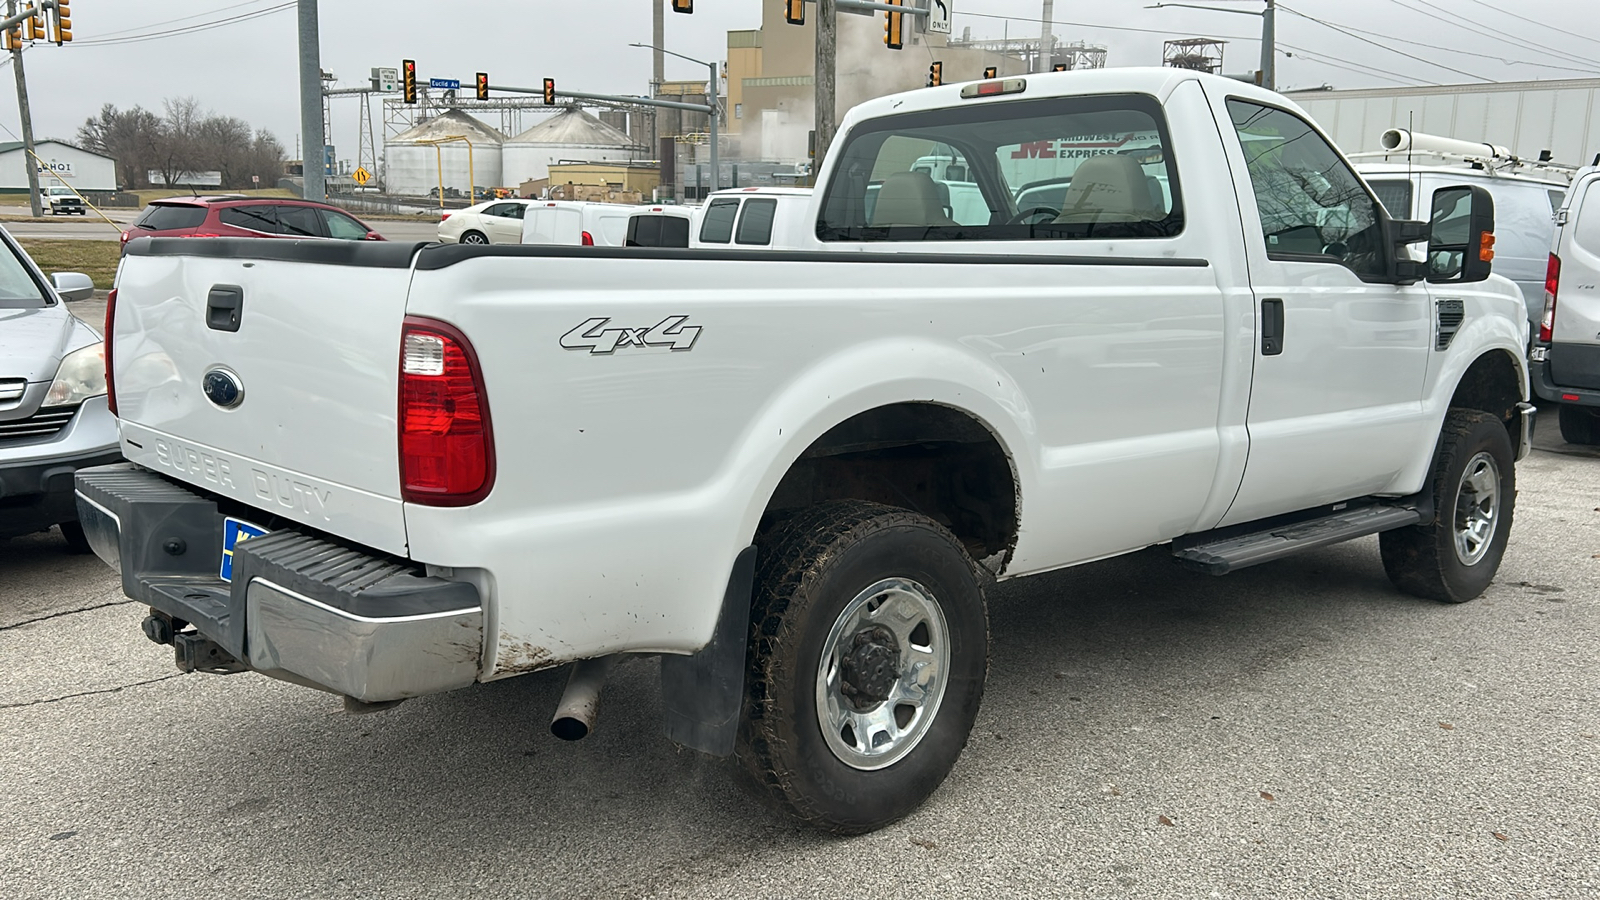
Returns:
point(703, 693)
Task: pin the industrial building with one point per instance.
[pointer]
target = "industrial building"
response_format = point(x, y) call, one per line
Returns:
point(420, 158)
point(1529, 117)
point(75, 166)
point(571, 134)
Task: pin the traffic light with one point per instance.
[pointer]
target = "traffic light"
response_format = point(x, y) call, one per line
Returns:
point(1059, 67)
point(683, 6)
point(483, 85)
point(408, 80)
point(63, 23)
point(794, 12)
point(991, 72)
point(936, 74)
point(549, 92)
point(11, 38)
point(894, 27)
point(33, 27)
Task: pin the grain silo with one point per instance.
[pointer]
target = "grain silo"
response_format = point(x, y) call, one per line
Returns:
point(571, 134)
point(413, 167)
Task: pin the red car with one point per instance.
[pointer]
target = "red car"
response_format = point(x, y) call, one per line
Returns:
point(236, 216)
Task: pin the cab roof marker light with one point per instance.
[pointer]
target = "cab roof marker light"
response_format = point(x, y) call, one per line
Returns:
point(994, 88)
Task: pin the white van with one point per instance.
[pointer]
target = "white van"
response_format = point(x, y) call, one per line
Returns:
point(755, 218)
point(1564, 361)
point(659, 226)
point(1526, 196)
point(575, 222)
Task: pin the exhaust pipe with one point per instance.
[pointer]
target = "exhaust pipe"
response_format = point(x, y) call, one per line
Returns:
point(580, 703)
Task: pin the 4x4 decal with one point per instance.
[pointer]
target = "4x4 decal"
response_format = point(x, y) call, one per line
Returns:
point(595, 337)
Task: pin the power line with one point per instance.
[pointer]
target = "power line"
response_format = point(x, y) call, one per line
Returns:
point(1592, 70)
point(1493, 35)
point(1535, 22)
point(146, 25)
point(1374, 43)
point(1232, 37)
point(1348, 65)
point(191, 29)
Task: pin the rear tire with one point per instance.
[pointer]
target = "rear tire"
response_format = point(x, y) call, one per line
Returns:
point(1579, 424)
point(1454, 557)
point(868, 650)
point(474, 237)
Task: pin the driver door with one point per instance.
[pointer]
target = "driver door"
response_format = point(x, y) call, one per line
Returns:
point(1340, 356)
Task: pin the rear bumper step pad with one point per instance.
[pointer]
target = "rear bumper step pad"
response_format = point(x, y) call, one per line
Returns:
point(299, 607)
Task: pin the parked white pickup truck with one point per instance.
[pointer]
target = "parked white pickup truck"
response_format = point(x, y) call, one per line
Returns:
point(386, 470)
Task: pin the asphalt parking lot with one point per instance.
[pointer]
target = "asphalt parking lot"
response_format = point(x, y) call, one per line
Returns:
point(1295, 730)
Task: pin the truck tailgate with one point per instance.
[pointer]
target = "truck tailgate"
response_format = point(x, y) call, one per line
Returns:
point(313, 352)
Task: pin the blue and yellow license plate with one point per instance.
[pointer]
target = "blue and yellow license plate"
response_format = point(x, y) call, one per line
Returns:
point(234, 533)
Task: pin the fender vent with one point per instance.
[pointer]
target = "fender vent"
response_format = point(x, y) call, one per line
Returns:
point(1450, 314)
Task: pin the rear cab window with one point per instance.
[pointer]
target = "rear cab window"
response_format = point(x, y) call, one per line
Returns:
point(1069, 168)
point(755, 221)
point(657, 231)
point(171, 216)
point(717, 226)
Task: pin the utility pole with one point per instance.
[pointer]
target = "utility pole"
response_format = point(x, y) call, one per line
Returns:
point(1046, 39)
point(823, 80)
point(311, 106)
point(29, 161)
point(1269, 37)
point(658, 66)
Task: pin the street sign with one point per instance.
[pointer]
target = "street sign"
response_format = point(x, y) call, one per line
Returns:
point(939, 16)
point(362, 176)
point(447, 84)
point(255, 180)
point(385, 80)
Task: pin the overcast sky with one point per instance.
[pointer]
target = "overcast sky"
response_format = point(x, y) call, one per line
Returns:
point(125, 52)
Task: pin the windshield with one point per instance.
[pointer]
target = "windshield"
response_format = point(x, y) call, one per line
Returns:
point(18, 290)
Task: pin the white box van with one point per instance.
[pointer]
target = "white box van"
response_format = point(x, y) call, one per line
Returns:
point(756, 218)
point(1564, 360)
point(1526, 196)
point(660, 226)
point(575, 222)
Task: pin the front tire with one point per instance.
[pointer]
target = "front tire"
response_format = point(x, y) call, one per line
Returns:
point(868, 651)
point(1454, 557)
point(1579, 424)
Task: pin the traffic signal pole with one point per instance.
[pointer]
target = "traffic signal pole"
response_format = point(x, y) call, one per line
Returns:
point(313, 176)
point(28, 156)
point(823, 81)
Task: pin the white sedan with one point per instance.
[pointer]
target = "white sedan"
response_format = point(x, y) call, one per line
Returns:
point(490, 222)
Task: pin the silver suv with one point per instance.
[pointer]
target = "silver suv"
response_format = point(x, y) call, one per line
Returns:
point(53, 415)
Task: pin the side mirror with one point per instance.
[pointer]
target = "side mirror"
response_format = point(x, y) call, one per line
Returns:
point(72, 285)
point(1460, 235)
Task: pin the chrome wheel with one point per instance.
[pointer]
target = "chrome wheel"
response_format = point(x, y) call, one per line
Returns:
point(883, 672)
point(1477, 512)
point(472, 237)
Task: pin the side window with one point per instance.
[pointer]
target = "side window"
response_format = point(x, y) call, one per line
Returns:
point(515, 210)
point(255, 218)
point(755, 222)
point(1312, 205)
point(1071, 168)
point(1556, 199)
point(298, 221)
point(1394, 194)
point(342, 227)
point(1586, 221)
point(717, 227)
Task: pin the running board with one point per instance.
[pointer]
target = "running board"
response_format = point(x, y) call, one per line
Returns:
point(1224, 555)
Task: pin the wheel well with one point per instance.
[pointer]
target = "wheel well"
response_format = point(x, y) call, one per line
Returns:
point(1493, 384)
point(933, 459)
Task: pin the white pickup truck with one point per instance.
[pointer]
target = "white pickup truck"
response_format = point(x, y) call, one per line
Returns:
point(387, 470)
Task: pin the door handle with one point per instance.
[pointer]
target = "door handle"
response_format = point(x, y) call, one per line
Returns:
point(224, 307)
point(1271, 327)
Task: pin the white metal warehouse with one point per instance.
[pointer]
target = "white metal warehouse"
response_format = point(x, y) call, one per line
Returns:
point(1562, 116)
point(60, 163)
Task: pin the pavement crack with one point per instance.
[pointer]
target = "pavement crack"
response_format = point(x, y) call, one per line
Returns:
point(92, 693)
point(65, 612)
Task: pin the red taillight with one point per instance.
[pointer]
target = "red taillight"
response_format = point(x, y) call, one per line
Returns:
point(588, 239)
point(1552, 283)
point(446, 446)
point(126, 235)
point(443, 216)
point(111, 317)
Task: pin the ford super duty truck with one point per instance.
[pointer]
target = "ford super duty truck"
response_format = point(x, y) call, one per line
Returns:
point(387, 471)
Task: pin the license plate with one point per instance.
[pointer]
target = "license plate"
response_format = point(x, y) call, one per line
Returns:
point(234, 533)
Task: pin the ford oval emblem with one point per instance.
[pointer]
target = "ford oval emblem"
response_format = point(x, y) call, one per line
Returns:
point(222, 387)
